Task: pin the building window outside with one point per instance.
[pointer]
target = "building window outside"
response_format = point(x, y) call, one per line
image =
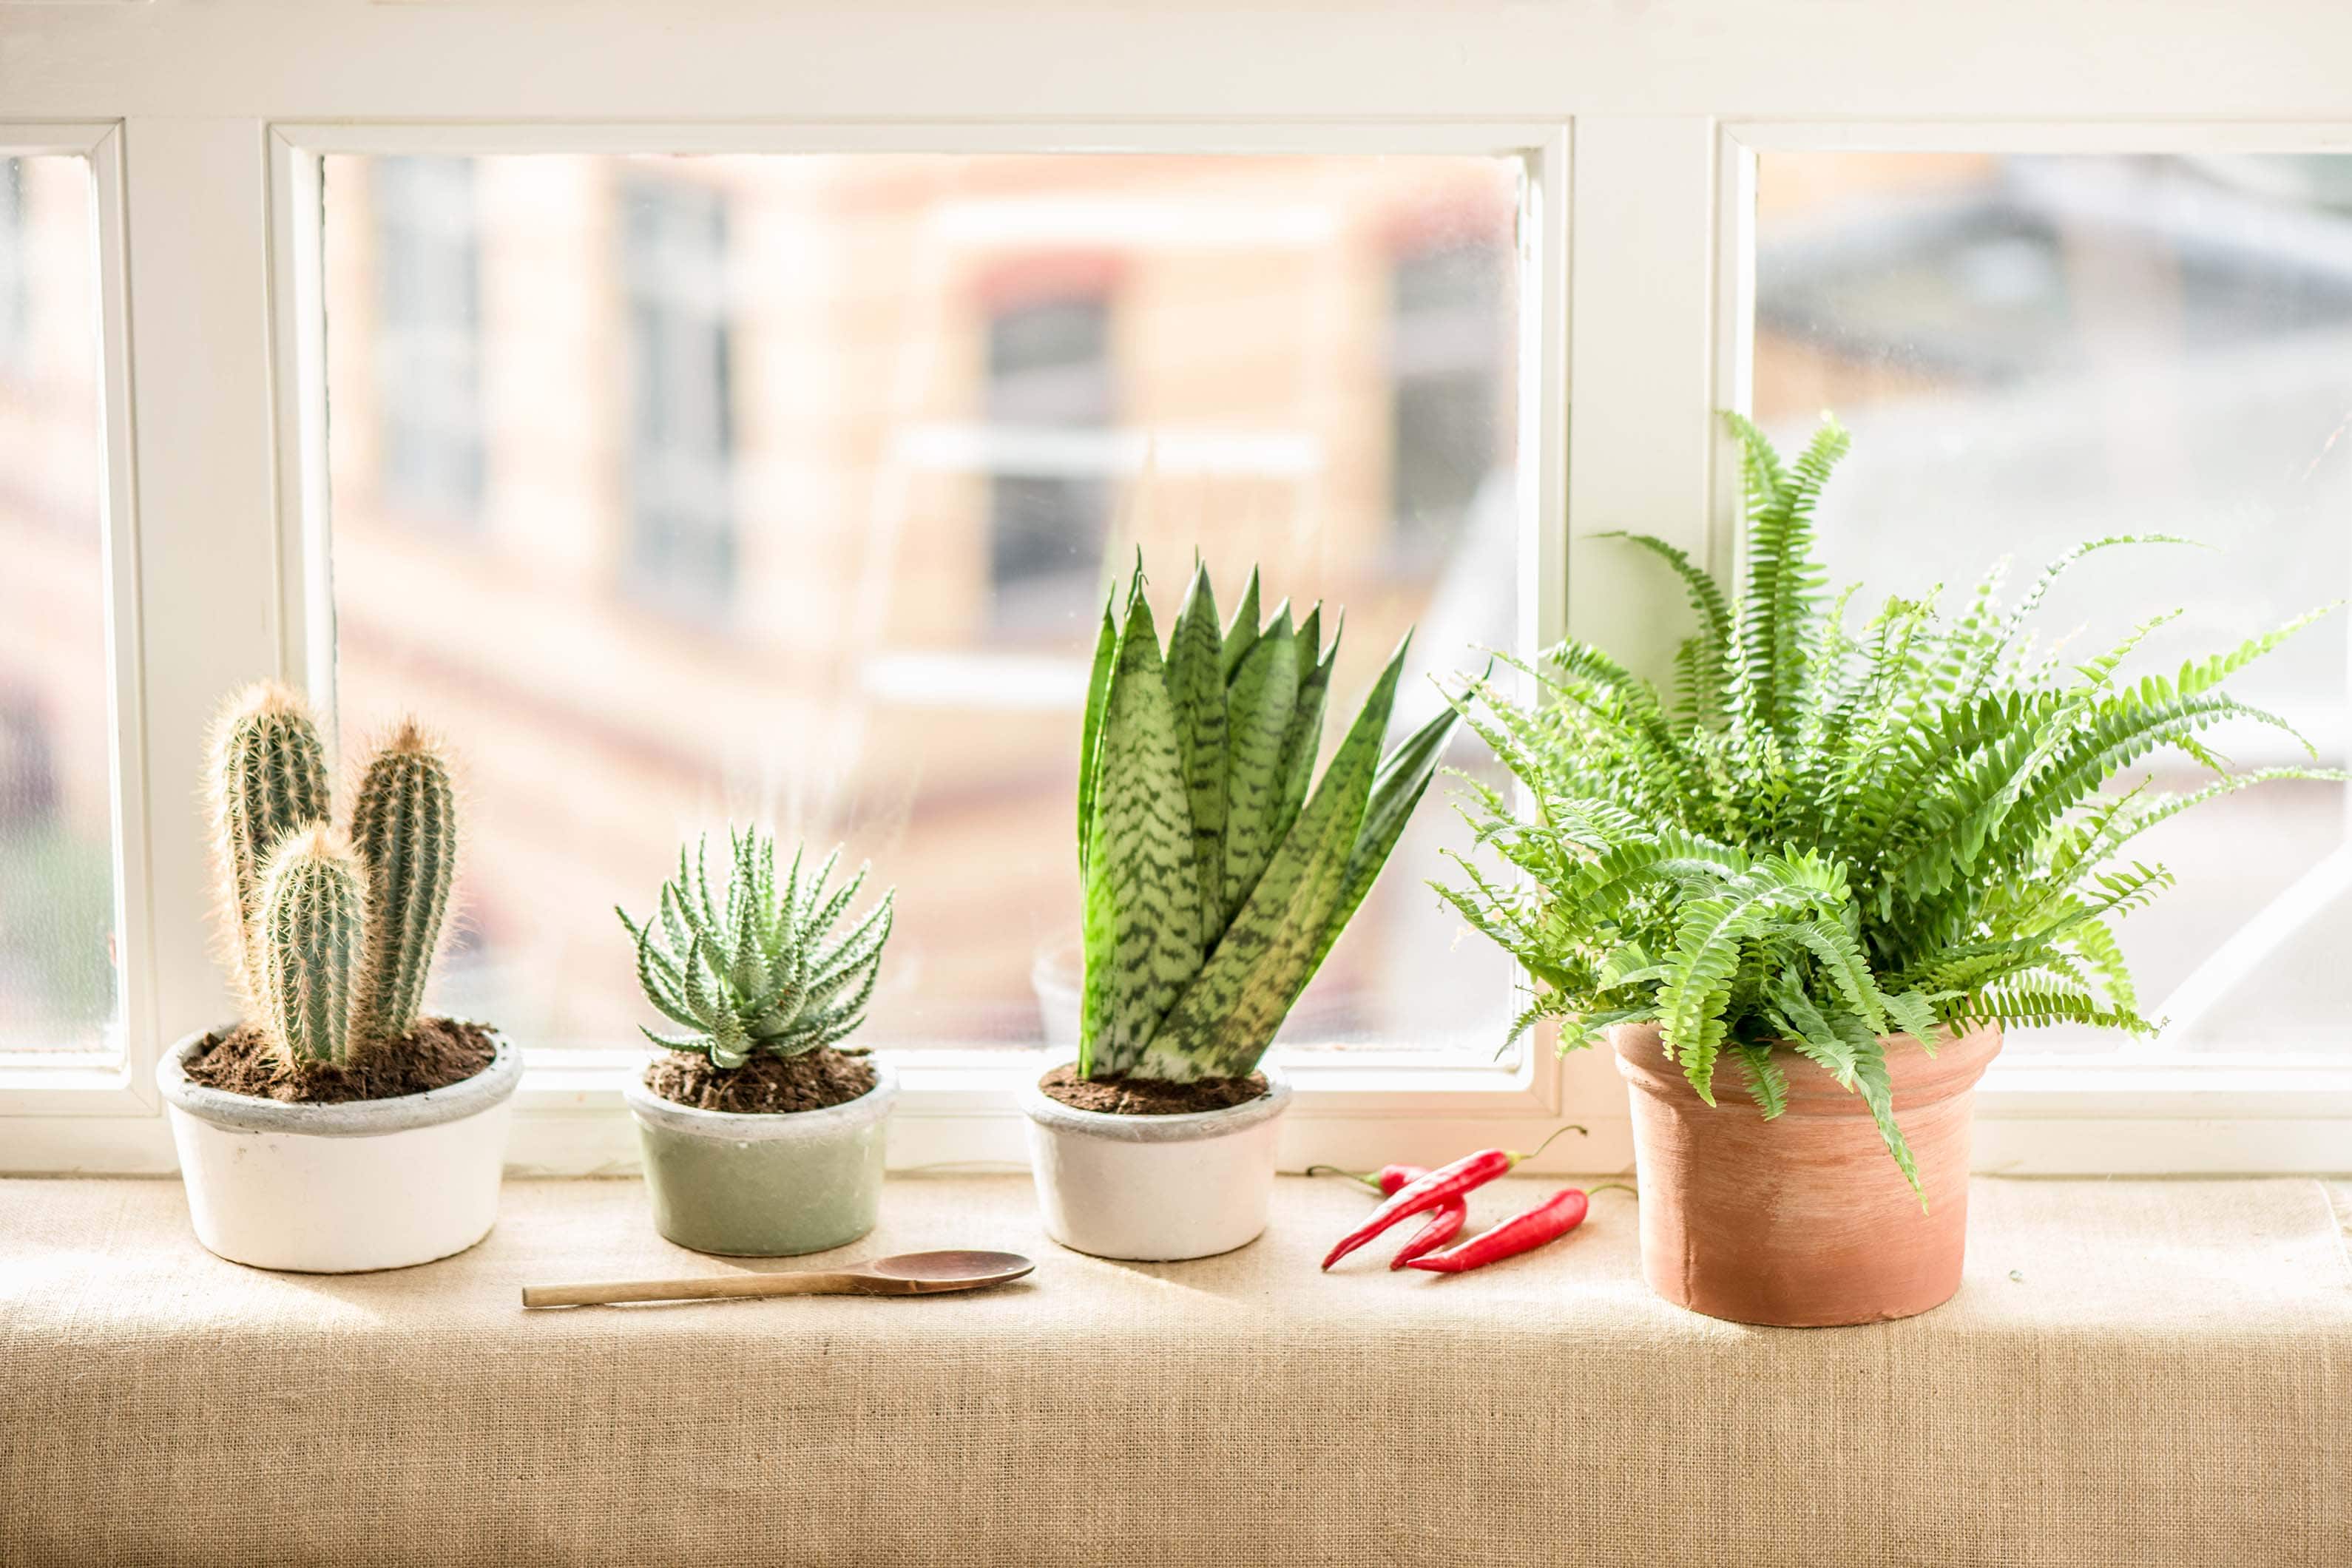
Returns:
point(428, 346)
point(1446, 339)
point(1049, 375)
point(682, 546)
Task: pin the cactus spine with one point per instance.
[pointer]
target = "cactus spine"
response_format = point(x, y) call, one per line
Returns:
point(268, 780)
point(404, 827)
point(310, 935)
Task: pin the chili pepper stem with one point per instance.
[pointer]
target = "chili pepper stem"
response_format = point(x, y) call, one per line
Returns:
point(1613, 1188)
point(1516, 1158)
point(1358, 1177)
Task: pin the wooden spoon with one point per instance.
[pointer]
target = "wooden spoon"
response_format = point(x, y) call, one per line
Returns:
point(907, 1274)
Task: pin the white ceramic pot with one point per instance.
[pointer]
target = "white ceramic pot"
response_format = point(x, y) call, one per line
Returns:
point(1155, 1188)
point(335, 1189)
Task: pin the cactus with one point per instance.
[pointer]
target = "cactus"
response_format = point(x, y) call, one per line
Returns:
point(752, 971)
point(310, 937)
point(332, 936)
point(405, 828)
point(269, 779)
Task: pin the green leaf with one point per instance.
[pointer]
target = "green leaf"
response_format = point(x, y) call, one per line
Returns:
point(1144, 924)
point(1767, 1084)
point(1403, 777)
point(1258, 709)
point(1304, 739)
point(1197, 689)
point(1097, 686)
point(1241, 632)
point(1229, 1014)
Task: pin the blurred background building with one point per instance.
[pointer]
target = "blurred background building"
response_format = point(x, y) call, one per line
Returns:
point(681, 490)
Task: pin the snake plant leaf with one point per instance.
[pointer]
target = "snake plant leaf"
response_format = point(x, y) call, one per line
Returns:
point(1098, 685)
point(1258, 709)
point(1402, 780)
point(1241, 631)
point(1144, 918)
point(1305, 737)
point(1227, 1018)
point(1196, 687)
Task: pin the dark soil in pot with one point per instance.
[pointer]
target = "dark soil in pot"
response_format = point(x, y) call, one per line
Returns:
point(437, 1053)
point(764, 1085)
point(1148, 1096)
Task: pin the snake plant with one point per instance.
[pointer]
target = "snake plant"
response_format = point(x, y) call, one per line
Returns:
point(1215, 881)
point(1827, 839)
point(756, 968)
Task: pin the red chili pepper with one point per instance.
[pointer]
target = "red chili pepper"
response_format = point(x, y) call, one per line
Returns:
point(1446, 1182)
point(1548, 1221)
point(1384, 1181)
point(1445, 1223)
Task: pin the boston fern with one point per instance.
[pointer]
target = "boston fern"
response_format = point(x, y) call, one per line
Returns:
point(1827, 836)
point(1214, 881)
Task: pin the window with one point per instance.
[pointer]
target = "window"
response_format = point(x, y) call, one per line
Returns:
point(1447, 340)
point(1049, 409)
point(2037, 350)
point(681, 388)
point(703, 517)
point(428, 254)
point(16, 296)
point(879, 547)
point(60, 983)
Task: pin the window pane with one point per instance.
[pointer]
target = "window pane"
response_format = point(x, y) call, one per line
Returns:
point(2036, 351)
point(798, 483)
point(58, 979)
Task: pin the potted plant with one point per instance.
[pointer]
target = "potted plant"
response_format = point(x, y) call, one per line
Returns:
point(762, 1138)
point(335, 1128)
point(1215, 883)
point(1841, 865)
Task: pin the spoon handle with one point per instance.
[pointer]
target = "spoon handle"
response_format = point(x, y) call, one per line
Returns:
point(708, 1288)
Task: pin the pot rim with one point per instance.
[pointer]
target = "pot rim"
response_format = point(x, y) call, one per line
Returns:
point(1187, 1127)
point(490, 1088)
point(764, 1126)
point(1915, 1077)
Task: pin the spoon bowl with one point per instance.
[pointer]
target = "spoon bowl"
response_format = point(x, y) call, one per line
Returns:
point(904, 1274)
point(927, 1272)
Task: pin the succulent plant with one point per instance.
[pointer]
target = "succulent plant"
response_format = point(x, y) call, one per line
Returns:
point(333, 937)
point(1214, 882)
point(756, 969)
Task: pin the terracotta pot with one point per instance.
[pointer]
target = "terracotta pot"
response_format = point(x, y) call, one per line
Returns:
point(1803, 1221)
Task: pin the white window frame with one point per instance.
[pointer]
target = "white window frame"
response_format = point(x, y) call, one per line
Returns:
point(204, 125)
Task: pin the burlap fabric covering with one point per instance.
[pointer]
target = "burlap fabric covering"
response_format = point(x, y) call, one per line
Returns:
point(2134, 1372)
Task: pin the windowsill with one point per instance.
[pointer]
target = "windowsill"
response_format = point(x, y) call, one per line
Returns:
point(2133, 1371)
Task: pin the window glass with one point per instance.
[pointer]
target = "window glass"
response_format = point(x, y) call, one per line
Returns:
point(803, 480)
point(2037, 351)
point(58, 983)
point(428, 338)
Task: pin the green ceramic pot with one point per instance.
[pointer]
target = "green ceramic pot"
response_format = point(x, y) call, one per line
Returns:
point(765, 1186)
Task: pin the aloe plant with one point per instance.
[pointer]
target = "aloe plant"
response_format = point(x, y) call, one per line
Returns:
point(755, 967)
point(1825, 840)
point(333, 935)
point(1215, 881)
